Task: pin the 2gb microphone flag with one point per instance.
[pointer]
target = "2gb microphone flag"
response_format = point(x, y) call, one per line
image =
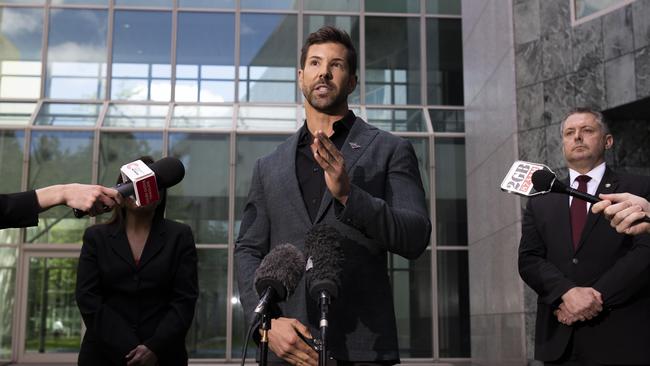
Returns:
point(144, 182)
point(519, 178)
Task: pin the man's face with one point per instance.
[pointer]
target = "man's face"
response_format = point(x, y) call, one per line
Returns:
point(584, 142)
point(326, 81)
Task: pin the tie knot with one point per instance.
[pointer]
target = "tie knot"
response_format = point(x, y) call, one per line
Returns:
point(583, 178)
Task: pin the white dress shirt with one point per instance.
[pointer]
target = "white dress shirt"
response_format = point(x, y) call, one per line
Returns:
point(596, 175)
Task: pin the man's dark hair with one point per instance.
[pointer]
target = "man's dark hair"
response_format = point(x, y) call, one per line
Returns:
point(329, 34)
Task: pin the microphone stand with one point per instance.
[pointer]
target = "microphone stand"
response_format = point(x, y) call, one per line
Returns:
point(324, 302)
point(264, 342)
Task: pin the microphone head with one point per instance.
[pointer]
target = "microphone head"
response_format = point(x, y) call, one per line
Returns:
point(323, 249)
point(545, 181)
point(169, 171)
point(281, 270)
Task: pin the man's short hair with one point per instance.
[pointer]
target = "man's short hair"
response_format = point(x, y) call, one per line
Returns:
point(331, 34)
point(581, 110)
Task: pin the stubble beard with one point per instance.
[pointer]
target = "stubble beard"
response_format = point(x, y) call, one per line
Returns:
point(330, 104)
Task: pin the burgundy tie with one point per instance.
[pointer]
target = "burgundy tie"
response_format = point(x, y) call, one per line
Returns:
point(579, 211)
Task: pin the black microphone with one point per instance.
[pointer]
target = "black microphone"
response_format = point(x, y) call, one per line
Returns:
point(545, 181)
point(277, 276)
point(169, 172)
point(324, 260)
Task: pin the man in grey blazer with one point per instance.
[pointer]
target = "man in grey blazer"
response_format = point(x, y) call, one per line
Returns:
point(364, 182)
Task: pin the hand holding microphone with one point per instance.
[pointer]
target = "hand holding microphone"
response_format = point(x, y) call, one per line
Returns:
point(628, 214)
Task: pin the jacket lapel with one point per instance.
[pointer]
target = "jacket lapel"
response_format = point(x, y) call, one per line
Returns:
point(607, 185)
point(286, 176)
point(120, 245)
point(155, 242)
point(355, 145)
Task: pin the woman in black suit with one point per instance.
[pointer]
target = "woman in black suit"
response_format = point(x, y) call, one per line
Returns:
point(137, 287)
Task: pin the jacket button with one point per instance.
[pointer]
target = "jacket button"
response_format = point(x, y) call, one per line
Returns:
point(574, 260)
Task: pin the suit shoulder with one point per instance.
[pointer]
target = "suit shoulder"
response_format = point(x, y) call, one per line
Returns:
point(634, 181)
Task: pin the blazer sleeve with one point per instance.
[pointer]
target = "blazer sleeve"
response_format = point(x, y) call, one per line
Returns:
point(19, 209)
point(104, 323)
point(252, 244)
point(540, 274)
point(185, 290)
point(400, 222)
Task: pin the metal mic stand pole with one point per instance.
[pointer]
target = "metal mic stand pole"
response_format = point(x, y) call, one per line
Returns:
point(324, 309)
point(264, 342)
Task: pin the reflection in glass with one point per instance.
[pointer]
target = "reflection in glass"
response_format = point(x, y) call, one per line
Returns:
point(268, 58)
point(16, 113)
point(451, 192)
point(119, 148)
point(7, 296)
point(76, 55)
point(219, 4)
point(21, 33)
point(392, 6)
point(132, 115)
point(59, 157)
point(453, 304)
point(12, 143)
point(267, 118)
point(445, 120)
point(332, 5)
point(189, 116)
point(584, 8)
point(265, 4)
point(141, 56)
point(411, 282)
point(397, 120)
point(207, 336)
point(350, 24)
point(392, 60)
point(64, 114)
point(249, 149)
point(201, 198)
point(205, 57)
point(160, 3)
point(81, 2)
point(444, 62)
point(53, 319)
point(446, 7)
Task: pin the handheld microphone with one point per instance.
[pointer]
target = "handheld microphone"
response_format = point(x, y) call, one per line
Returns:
point(519, 178)
point(277, 276)
point(169, 171)
point(324, 261)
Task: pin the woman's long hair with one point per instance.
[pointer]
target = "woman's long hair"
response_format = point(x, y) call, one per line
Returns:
point(119, 212)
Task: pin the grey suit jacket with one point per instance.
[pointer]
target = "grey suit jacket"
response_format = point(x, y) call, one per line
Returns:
point(386, 212)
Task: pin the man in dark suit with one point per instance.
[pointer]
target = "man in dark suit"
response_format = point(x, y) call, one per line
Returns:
point(362, 181)
point(22, 209)
point(593, 283)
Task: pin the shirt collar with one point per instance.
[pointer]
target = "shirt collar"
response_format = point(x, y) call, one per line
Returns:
point(596, 174)
point(346, 123)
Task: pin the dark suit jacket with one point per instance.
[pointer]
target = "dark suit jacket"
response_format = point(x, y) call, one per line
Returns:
point(123, 305)
point(18, 209)
point(386, 212)
point(616, 265)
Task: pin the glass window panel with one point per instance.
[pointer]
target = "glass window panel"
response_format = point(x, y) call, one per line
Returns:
point(16, 113)
point(392, 6)
point(249, 149)
point(411, 283)
point(205, 57)
point(141, 56)
point(444, 62)
point(76, 56)
point(63, 114)
point(447, 7)
point(584, 8)
point(265, 4)
point(131, 115)
point(267, 118)
point(268, 58)
point(119, 148)
point(207, 335)
point(451, 192)
point(204, 207)
point(80, 2)
point(397, 120)
point(59, 157)
point(12, 143)
point(445, 120)
point(156, 3)
point(392, 77)
point(332, 5)
point(202, 117)
point(350, 24)
point(7, 296)
point(23, 1)
point(53, 319)
point(21, 33)
point(453, 304)
point(220, 4)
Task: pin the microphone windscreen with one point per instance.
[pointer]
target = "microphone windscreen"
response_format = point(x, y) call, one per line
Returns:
point(169, 171)
point(323, 247)
point(282, 268)
point(542, 180)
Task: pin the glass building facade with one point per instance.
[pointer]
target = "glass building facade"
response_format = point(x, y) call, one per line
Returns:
point(88, 85)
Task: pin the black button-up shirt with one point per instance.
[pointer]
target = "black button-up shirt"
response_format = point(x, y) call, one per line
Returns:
point(311, 177)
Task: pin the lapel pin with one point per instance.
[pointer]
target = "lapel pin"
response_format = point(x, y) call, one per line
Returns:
point(354, 145)
point(607, 185)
